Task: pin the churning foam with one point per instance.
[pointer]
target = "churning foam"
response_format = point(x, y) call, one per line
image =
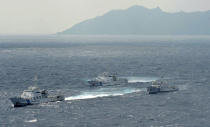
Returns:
point(103, 92)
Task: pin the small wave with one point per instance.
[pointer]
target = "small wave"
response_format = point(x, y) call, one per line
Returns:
point(31, 121)
point(183, 87)
point(47, 104)
point(103, 93)
point(6, 51)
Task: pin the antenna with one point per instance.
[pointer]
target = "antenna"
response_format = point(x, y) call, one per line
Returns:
point(35, 79)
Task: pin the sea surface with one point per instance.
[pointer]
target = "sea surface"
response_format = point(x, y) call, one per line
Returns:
point(64, 64)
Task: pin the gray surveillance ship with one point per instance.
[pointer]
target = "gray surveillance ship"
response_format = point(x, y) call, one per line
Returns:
point(34, 95)
point(160, 87)
point(107, 79)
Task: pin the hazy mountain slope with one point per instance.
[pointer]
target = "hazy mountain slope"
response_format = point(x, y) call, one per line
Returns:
point(140, 20)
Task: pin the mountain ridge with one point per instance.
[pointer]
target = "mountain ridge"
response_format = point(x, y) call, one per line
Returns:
point(143, 21)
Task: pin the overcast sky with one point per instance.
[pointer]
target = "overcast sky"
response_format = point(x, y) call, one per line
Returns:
point(51, 16)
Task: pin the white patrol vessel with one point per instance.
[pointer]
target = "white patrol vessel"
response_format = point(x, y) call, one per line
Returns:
point(106, 79)
point(34, 95)
point(160, 87)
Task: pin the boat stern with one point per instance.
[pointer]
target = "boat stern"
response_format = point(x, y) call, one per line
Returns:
point(19, 102)
point(153, 90)
point(95, 83)
point(60, 98)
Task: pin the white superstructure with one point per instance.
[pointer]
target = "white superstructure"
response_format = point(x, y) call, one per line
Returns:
point(107, 78)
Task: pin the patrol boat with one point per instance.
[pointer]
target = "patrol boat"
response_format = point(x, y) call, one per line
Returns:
point(107, 79)
point(160, 87)
point(33, 95)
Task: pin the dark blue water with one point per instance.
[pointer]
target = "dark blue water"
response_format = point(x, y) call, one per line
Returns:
point(62, 63)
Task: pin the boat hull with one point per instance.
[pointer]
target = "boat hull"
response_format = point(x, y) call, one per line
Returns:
point(108, 83)
point(21, 102)
point(152, 90)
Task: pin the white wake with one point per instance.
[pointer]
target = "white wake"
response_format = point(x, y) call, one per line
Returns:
point(103, 92)
point(141, 79)
point(31, 121)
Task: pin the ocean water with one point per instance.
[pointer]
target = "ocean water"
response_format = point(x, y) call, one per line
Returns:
point(64, 63)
